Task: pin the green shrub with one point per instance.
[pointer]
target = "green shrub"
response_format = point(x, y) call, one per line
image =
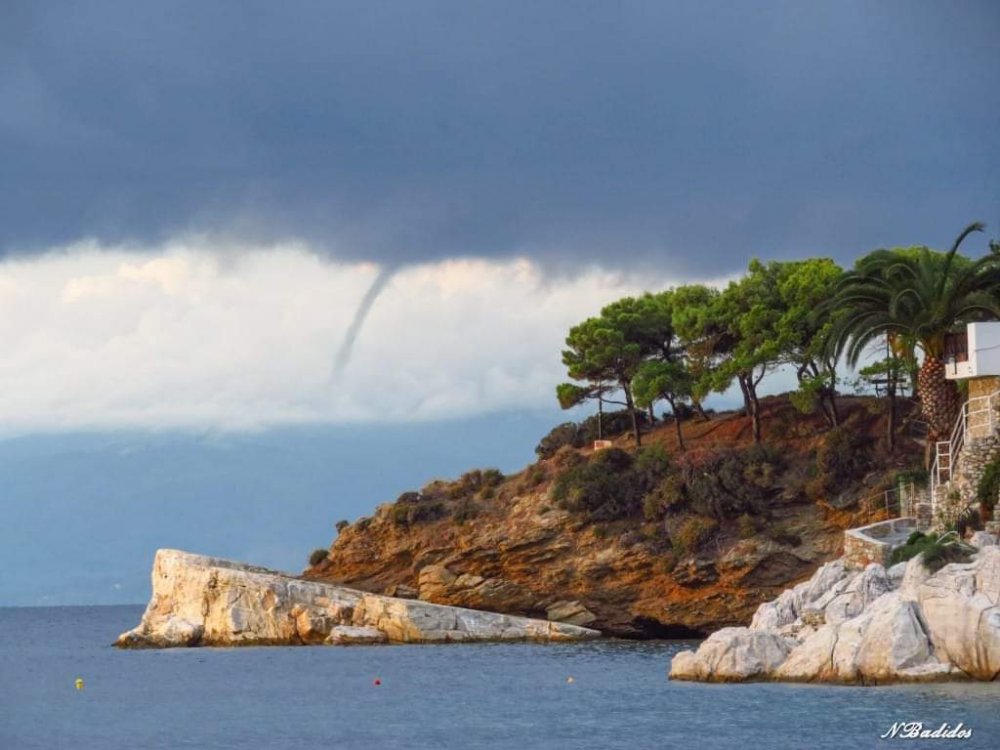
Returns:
point(844, 457)
point(427, 512)
point(465, 511)
point(692, 533)
point(652, 461)
point(567, 457)
point(601, 531)
point(492, 477)
point(580, 434)
point(667, 496)
point(536, 475)
point(318, 556)
point(989, 485)
point(342, 524)
point(362, 523)
point(400, 515)
point(567, 434)
point(611, 485)
point(732, 483)
point(937, 551)
point(747, 526)
point(472, 482)
point(668, 561)
point(413, 507)
point(782, 535)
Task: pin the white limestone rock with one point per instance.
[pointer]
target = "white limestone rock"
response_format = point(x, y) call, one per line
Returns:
point(869, 627)
point(733, 655)
point(893, 639)
point(914, 576)
point(199, 600)
point(861, 591)
point(812, 659)
point(959, 605)
point(983, 539)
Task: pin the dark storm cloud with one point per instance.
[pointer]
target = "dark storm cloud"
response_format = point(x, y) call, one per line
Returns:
point(694, 134)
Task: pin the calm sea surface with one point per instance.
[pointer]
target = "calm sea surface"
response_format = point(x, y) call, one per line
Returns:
point(459, 696)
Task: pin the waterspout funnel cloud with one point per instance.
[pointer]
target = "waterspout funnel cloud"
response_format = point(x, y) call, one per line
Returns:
point(343, 357)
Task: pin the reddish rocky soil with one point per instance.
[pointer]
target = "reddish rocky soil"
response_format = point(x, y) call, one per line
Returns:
point(514, 550)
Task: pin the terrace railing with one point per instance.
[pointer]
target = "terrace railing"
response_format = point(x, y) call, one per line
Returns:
point(978, 418)
point(896, 502)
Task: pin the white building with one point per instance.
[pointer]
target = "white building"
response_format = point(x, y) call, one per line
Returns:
point(974, 353)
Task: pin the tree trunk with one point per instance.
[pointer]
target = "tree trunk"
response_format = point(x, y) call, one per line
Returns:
point(831, 391)
point(700, 409)
point(744, 388)
point(832, 397)
point(630, 404)
point(652, 417)
point(677, 424)
point(600, 416)
point(890, 437)
point(752, 404)
point(938, 398)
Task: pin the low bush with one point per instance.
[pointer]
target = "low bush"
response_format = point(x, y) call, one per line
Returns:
point(565, 435)
point(782, 535)
point(989, 487)
point(747, 525)
point(413, 507)
point(668, 561)
point(844, 457)
point(729, 484)
point(580, 434)
point(937, 551)
point(666, 497)
point(611, 485)
point(342, 524)
point(692, 533)
point(475, 481)
point(465, 511)
point(318, 556)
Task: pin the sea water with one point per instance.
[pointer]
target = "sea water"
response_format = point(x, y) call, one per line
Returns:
point(606, 694)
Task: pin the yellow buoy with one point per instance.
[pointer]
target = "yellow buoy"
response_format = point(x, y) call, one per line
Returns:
point(79, 683)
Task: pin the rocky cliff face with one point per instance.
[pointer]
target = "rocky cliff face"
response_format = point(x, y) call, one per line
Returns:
point(199, 600)
point(509, 544)
point(870, 626)
point(534, 560)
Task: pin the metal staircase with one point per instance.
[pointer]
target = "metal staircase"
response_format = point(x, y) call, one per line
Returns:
point(978, 418)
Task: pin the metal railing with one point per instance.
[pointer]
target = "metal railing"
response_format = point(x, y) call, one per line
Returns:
point(896, 502)
point(977, 418)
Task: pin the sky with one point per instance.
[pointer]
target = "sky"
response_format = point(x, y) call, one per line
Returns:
point(248, 220)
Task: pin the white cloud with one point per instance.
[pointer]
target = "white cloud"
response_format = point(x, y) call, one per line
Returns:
point(191, 335)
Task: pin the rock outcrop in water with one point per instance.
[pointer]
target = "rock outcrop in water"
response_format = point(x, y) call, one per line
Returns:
point(870, 626)
point(199, 600)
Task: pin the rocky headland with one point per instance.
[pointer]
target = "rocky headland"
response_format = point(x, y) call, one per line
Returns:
point(870, 626)
point(678, 557)
point(206, 601)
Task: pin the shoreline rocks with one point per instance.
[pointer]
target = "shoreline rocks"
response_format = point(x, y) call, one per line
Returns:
point(872, 626)
point(205, 601)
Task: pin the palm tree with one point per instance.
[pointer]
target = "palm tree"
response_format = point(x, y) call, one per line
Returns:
point(917, 295)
